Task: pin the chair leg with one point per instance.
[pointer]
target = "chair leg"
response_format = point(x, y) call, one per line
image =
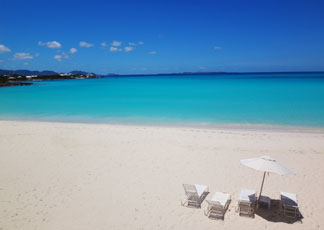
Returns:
point(183, 203)
point(206, 212)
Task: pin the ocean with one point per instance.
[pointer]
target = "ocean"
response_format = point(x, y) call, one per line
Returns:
point(294, 99)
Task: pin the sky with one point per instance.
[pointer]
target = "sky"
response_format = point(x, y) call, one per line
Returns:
point(142, 37)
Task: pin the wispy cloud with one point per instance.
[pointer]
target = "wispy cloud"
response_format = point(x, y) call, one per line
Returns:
point(116, 46)
point(116, 43)
point(85, 44)
point(114, 49)
point(65, 55)
point(73, 50)
point(36, 54)
point(103, 44)
point(52, 44)
point(152, 52)
point(22, 56)
point(218, 48)
point(128, 48)
point(135, 44)
point(4, 49)
point(58, 57)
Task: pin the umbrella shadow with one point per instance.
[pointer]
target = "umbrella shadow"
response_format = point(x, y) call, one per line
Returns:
point(275, 214)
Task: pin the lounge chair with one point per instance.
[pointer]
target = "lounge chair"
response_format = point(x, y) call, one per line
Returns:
point(195, 195)
point(289, 205)
point(246, 202)
point(218, 205)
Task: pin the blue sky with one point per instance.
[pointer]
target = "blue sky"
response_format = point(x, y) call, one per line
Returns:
point(162, 36)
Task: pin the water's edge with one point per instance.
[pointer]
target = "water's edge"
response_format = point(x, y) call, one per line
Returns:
point(198, 126)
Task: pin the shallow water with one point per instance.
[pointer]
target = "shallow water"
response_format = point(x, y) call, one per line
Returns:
point(274, 99)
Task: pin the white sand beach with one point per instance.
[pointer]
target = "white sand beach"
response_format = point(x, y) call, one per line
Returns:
point(100, 176)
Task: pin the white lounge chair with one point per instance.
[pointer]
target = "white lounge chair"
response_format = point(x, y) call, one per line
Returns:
point(195, 195)
point(289, 204)
point(218, 205)
point(246, 202)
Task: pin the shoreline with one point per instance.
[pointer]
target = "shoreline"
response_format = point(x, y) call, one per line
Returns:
point(201, 126)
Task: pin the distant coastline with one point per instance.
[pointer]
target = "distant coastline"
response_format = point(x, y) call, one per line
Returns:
point(25, 77)
point(16, 79)
point(212, 73)
point(78, 72)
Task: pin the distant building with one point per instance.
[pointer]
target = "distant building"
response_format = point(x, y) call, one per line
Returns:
point(31, 76)
point(65, 74)
point(90, 75)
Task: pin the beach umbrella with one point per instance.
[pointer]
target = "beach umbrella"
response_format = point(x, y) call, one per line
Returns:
point(266, 164)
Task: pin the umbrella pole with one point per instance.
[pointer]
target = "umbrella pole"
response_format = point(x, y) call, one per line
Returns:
point(261, 186)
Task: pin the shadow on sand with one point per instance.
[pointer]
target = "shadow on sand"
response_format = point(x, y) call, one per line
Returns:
point(274, 214)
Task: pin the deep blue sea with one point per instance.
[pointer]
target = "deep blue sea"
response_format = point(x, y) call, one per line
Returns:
point(273, 99)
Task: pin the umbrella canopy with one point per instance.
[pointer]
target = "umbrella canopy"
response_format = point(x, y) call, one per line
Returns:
point(266, 164)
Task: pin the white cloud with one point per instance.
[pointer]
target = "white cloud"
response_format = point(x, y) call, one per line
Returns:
point(85, 44)
point(103, 44)
point(36, 54)
point(113, 49)
point(218, 47)
point(152, 52)
point(202, 67)
point(4, 49)
point(22, 56)
point(116, 43)
point(128, 48)
point(73, 50)
point(131, 43)
point(52, 44)
point(26, 63)
point(58, 57)
point(140, 43)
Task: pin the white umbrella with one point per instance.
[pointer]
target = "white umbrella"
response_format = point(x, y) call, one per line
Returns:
point(266, 164)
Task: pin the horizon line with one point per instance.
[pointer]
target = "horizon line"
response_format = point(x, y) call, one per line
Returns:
point(176, 73)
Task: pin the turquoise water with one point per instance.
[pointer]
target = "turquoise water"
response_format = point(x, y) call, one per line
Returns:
point(275, 99)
